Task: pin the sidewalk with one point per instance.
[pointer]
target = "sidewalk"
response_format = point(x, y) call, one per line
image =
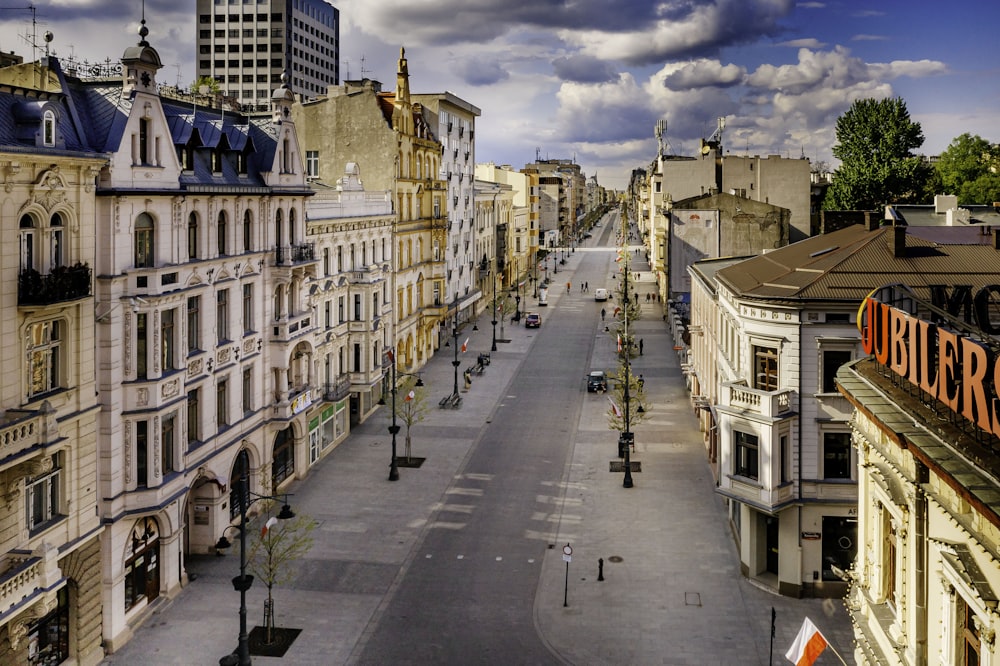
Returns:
point(672, 592)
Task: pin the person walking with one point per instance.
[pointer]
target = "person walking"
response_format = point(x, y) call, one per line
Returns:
point(603, 312)
point(640, 349)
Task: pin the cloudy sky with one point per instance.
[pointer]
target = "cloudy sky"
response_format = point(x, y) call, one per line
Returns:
point(588, 79)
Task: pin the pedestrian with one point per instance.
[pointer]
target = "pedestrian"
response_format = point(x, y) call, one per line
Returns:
point(569, 287)
point(586, 286)
point(581, 288)
point(640, 349)
point(603, 312)
point(642, 382)
point(468, 379)
point(647, 298)
point(637, 299)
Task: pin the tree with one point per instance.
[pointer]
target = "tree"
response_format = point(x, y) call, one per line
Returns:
point(205, 85)
point(875, 143)
point(273, 550)
point(410, 410)
point(636, 399)
point(626, 309)
point(967, 169)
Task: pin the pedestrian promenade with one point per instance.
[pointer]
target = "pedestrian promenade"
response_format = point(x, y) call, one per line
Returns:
point(672, 591)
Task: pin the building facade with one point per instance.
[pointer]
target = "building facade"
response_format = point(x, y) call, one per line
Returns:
point(925, 585)
point(246, 47)
point(50, 528)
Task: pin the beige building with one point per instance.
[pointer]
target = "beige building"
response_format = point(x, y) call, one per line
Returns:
point(526, 215)
point(925, 586)
point(391, 143)
point(50, 527)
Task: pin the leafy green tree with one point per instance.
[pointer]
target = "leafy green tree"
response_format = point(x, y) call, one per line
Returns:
point(636, 399)
point(967, 169)
point(875, 143)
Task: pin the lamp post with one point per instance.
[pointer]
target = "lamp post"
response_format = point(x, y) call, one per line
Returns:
point(627, 435)
point(494, 322)
point(394, 428)
point(243, 582)
point(454, 335)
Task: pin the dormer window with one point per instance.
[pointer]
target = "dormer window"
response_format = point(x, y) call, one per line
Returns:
point(143, 156)
point(49, 128)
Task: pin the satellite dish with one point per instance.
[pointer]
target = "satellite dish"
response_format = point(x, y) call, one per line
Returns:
point(706, 149)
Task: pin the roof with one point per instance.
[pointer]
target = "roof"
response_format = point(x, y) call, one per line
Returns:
point(847, 264)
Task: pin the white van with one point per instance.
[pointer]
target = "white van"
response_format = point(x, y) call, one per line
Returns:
point(600, 294)
point(543, 296)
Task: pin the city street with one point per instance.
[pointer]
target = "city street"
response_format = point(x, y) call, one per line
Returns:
point(461, 560)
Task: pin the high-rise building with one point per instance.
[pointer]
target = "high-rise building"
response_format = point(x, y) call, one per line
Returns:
point(246, 47)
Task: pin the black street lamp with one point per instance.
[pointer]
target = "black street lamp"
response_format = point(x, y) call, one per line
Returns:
point(456, 362)
point(243, 582)
point(627, 437)
point(394, 428)
point(494, 322)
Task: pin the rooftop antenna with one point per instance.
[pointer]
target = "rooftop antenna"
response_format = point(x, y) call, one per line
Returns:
point(363, 70)
point(538, 153)
point(660, 130)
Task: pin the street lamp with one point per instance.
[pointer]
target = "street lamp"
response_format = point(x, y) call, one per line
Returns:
point(394, 428)
point(456, 362)
point(494, 322)
point(243, 582)
point(627, 437)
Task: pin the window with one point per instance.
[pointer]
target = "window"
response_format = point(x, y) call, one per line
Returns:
point(340, 310)
point(142, 570)
point(193, 417)
point(247, 390)
point(167, 444)
point(765, 368)
point(889, 538)
point(222, 315)
point(56, 240)
point(144, 246)
point(44, 349)
point(239, 483)
point(357, 307)
point(222, 404)
point(284, 458)
point(832, 360)
point(837, 455)
point(784, 458)
point(248, 308)
point(167, 340)
point(141, 454)
point(194, 324)
point(247, 231)
point(192, 236)
point(747, 455)
point(141, 346)
point(49, 636)
point(143, 156)
point(27, 226)
point(223, 230)
point(312, 163)
point(969, 640)
point(41, 495)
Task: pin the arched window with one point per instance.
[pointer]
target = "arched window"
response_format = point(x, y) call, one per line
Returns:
point(247, 231)
point(144, 246)
point(193, 235)
point(56, 240)
point(223, 232)
point(49, 128)
point(28, 239)
point(291, 227)
point(283, 460)
point(279, 235)
point(419, 170)
point(239, 483)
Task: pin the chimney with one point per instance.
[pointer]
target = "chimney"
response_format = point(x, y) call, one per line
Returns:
point(897, 241)
point(871, 222)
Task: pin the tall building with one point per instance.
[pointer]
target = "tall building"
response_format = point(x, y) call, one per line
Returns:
point(247, 47)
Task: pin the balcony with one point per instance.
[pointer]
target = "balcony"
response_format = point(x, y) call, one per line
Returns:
point(338, 390)
point(287, 329)
point(365, 275)
point(23, 431)
point(64, 283)
point(770, 404)
point(301, 253)
point(20, 579)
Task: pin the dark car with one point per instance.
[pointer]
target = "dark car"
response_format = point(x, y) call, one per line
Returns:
point(532, 320)
point(597, 381)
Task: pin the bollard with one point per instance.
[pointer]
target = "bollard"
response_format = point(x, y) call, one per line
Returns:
point(600, 568)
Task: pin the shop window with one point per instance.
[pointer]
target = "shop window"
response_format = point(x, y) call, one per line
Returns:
point(42, 495)
point(839, 545)
point(142, 566)
point(746, 455)
point(837, 455)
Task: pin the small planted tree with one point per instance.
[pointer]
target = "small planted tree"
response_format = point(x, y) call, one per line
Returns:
point(410, 411)
point(272, 552)
point(637, 400)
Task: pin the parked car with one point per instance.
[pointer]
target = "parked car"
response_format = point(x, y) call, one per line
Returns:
point(597, 381)
point(533, 320)
point(600, 294)
point(588, 235)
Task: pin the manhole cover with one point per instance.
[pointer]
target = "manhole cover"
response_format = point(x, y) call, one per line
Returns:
point(692, 599)
point(615, 558)
point(619, 466)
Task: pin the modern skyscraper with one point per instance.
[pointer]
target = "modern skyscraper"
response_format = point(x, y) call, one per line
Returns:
point(246, 45)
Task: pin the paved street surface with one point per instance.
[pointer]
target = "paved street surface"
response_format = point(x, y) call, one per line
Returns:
point(460, 561)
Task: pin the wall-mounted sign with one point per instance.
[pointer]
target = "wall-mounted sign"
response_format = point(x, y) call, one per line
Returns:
point(811, 536)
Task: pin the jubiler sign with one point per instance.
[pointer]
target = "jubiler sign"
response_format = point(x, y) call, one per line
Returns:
point(960, 372)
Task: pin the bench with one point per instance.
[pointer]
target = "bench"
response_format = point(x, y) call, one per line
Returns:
point(452, 401)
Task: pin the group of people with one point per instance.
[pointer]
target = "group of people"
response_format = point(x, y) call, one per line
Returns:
point(584, 287)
